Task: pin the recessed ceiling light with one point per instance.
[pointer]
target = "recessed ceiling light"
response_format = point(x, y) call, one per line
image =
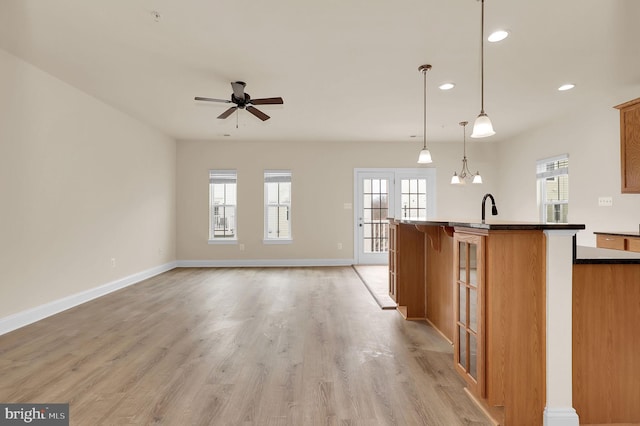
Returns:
point(567, 86)
point(446, 86)
point(498, 36)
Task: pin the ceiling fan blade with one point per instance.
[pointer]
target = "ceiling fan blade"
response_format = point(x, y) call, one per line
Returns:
point(238, 89)
point(228, 112)
point(255, 111)
point(198, 98)
point(267, 101)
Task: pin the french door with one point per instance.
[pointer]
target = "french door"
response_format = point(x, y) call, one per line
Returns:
point(374, 205)
point(384, 193)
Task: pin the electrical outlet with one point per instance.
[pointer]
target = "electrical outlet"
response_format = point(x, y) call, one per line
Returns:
point(241, 247)
point(605, 201)
point(113, 262)
point(339, 246)
point(348, 206)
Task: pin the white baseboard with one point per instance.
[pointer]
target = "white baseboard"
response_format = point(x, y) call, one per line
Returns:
point(262, 263)
point(565, 416)
point(21, 319)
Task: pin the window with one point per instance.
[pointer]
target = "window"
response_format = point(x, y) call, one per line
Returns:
point(553, 187)
point(413, 198)
point(277, 208)
point(222, 205)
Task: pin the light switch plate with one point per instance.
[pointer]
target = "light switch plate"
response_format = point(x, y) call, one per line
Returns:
point(605, 201)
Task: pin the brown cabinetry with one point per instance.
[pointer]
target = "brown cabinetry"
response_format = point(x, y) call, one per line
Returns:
point(606, 372)
point(468, 268)
point(393, 260)
point(618, 242)
point(633, 244)
point(410, 259)
point(610, 242)
point(499, 308)
point(630, 146)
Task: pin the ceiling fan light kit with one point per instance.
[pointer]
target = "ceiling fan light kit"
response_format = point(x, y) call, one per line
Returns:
point(425, 156)
point(242, 100)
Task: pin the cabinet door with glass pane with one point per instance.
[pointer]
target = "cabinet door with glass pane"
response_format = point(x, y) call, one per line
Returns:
point(469, 310)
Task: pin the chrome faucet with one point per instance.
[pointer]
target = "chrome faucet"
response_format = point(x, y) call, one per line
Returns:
point(494, 210)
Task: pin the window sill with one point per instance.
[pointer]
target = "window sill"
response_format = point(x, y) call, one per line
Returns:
point(281, 241)
point(223, 241)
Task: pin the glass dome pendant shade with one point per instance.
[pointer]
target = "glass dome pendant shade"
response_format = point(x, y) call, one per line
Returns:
point(424, 157)
point(482, 127)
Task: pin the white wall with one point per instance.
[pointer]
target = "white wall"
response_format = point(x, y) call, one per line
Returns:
point(591, 138)
point(322, 184)
point(80, 183)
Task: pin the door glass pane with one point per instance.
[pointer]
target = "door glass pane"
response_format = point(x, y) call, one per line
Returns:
point(375, 185)
point(414, 197)
point(413, 185)
point(462, 347)
point(462, 301)
point(366, 202)
point(404, 205)
point(422, 186)
point(473, 309)
point(375, 201)
point(473, 356)
point(462, 249)
point(473, 248)
point(384, 202)
point(374, 217)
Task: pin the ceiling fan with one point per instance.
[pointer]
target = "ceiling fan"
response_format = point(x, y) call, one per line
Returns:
point(243, 101)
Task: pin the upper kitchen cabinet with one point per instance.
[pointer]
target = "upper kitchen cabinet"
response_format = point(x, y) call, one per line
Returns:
point(630, 145)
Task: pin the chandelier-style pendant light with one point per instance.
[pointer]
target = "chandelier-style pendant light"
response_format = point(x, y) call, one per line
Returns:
point(482, 127)
point(458, 179)
point(425, 155)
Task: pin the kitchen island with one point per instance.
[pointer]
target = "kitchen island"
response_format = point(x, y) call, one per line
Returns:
point(501, 292)
point(606, 340)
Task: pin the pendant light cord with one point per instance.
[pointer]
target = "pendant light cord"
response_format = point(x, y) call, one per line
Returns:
point(464, 140)
point(424, 135)
point(482, 60)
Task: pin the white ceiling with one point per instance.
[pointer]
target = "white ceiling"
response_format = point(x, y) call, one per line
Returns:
point(347, 70)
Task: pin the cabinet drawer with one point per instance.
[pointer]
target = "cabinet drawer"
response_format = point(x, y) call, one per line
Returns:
point(633, 244)
point(610, 242)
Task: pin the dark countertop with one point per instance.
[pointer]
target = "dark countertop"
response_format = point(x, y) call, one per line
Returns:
point(583, 254)
point(621, 234)
point(492, 224)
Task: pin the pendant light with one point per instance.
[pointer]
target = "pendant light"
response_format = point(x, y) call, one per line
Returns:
point(459, 179)
point(425, 155)
point(482, 127)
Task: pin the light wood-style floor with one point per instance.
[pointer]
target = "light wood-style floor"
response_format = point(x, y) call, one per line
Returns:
point(376, 279)
point(246, 346)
